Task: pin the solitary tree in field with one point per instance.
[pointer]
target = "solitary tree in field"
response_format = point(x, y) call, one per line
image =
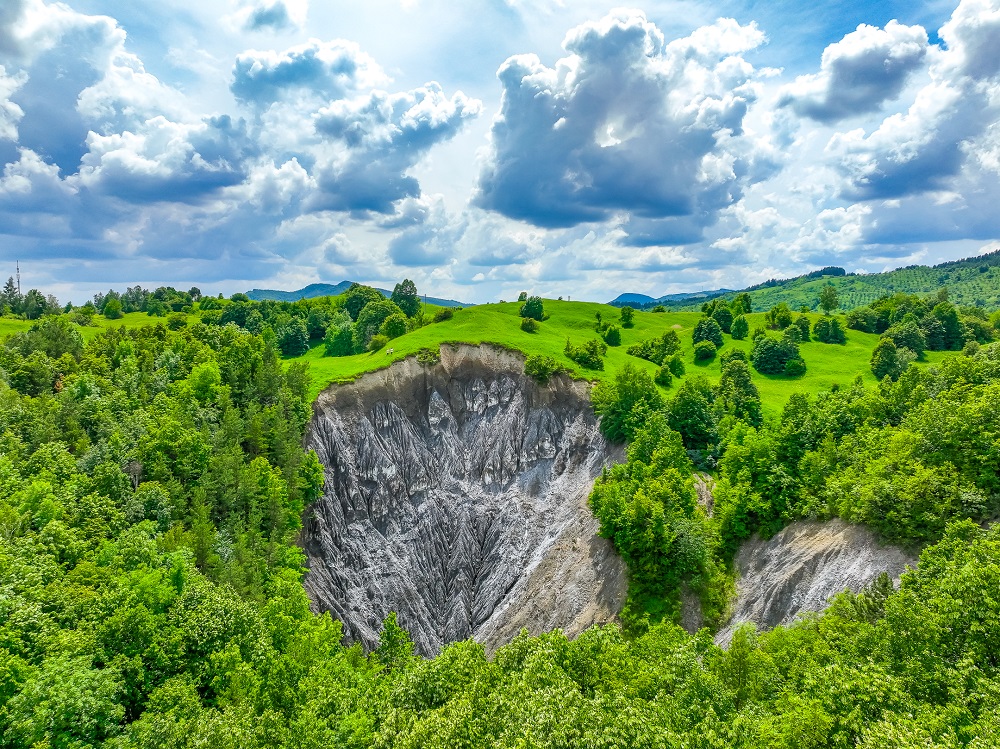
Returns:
point(828, 300)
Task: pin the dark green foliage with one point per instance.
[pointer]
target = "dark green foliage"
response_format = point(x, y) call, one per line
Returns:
point(370, 320)
point(735, 354)
point(429, 357)
point(795, 367)
point(627, 317)
point(770, 356)
point(778, 317)
point(53, 335)
point(886, 361)
point(802, 324)
point(113, 309)
point(523, 296)
point(530, 325)
point(339, 340)
point(533, 308)
point(740, 328)
point(828, 300)
point(659, 308)
point(405, 296)
point(376, 343)
point(541, 368)
point(589, 355)
point(358, 297)
point(707, 329)
point(724, 316)
point(657, 350)
point(907, 335)
point(664, 377)
point(393, 326)
point(625, 403)
point(736, 395)
point(613, 336)
point(676, 365)
point(742, 305)
point(829, 330)
point(690, 412)
point(445, 313)
point(294, 339)
point(704, 351)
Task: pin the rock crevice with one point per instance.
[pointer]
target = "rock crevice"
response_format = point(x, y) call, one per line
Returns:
point(456, 496)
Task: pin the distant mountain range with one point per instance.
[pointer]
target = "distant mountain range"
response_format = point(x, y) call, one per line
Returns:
point(314, 290)
point(971, 281)
point(642, 300)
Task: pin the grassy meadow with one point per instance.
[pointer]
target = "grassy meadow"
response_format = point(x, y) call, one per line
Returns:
point(500, 324)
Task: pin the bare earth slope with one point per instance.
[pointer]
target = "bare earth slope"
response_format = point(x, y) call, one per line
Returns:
point(456, 495)
point(801, 567)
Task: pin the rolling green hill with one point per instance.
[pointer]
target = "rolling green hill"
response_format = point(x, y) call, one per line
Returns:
point(499, 324)
point(972, 282)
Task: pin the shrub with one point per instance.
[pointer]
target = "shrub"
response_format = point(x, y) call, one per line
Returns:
point(444, 314)
point(659, 308)
point(708, 329)
point(370, 321)
point(657, 350)
point(795, 367)
point(588, 355)
point(625, 403)
point(627, 317)
point(523, 296)
point(664, 377)
point(533, 308)
point(393, 326)
point(613, 336)
point(540, 368)
point(429, 357)
point(176, 320)
point(802, 323)
point(529, 325)
point(829, 330)
point(676, 365)
point(733, 355)
point(770, 356)
point(778, 317)
point(339, 340)
point(113, 309)
point(377, 343)
point(740, 328)
point(704, 350)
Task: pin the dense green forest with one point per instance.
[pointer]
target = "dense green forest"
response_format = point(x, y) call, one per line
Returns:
point(973, 282)
point(153, 483)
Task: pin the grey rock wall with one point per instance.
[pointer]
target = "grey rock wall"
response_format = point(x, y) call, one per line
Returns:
point(802, 567)
point(456, 495)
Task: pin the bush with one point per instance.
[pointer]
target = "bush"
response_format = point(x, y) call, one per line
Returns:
point(733, 355)
point(740, 328)
point(778, 317)
point(707, 329)
point(625, 403)
point(444, 314)
point(529, 325)
point(664, 377)
point(589, 355)
point(704, 350)
point(627, 317)
point(533, 308)
point(377, 343)
point(659, 308)
point(339, 341)
point(795, 367)
point(429, 357)
point(176, 320)
point(829, 330)
point(541, 368)
point(657, 350)
point(113, 309)
point(613, 336)
point(770, 356)
point(393, 326)
point(370, 321)
point(802, 323)
point(676, 365)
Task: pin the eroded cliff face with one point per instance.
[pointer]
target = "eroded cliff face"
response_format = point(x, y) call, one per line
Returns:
point(456, 495)
point(802, 567)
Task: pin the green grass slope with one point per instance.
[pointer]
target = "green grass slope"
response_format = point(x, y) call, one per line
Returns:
point(499, 324)
point(972, 282)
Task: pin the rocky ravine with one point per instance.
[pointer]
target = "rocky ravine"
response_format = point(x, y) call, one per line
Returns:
point(456, 495)
point(801, 567)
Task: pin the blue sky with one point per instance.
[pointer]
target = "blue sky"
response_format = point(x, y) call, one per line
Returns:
point(485, 147)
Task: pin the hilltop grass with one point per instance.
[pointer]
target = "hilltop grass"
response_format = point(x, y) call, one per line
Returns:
point(99, 323)
point(499, 324)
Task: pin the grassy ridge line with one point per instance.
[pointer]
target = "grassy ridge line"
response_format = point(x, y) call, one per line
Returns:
point(499, 324)
point(10, 325)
